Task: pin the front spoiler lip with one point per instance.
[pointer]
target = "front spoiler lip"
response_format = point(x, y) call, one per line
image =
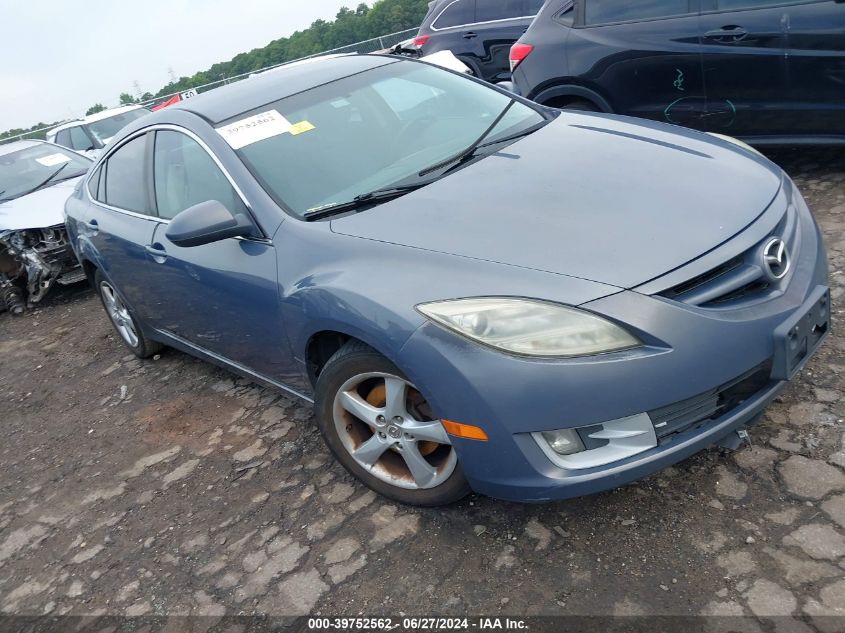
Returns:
point(566, 485)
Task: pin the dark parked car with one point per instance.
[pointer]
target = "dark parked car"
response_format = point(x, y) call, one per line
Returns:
point(767, 71)
point(455, 277)
point(478, 32)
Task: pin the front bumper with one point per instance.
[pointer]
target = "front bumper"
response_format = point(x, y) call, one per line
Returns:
point(689, 351)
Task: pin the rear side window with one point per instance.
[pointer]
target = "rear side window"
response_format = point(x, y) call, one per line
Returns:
point(186, 175)
point(457, 13)
point(605, 11)
point(125, 181)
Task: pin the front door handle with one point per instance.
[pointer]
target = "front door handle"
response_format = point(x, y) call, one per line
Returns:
point(158, 253)
point(93, 225)
point(470, 34)
point(727, 34)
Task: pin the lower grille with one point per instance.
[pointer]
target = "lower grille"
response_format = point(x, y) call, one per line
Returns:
point(686, 414)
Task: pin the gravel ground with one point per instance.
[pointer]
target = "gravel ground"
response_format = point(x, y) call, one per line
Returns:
point(171, 487)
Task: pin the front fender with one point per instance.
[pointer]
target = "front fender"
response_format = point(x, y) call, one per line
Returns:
point(312, 310)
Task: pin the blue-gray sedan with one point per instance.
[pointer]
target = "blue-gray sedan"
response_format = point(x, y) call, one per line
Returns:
point(477, 293)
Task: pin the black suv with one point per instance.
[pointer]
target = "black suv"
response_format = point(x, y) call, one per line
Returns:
point(768, 71)
point(478, 32)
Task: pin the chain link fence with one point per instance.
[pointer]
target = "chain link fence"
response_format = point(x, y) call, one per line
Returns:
point(371, 45)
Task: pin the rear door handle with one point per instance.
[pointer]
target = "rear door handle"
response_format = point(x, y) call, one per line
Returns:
point(92, 225)
point(470, 34)
point(158, 253)
point(730, 33)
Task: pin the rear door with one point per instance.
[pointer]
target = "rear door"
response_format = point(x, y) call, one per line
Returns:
point(119, 223)
point(816, 68)
point(643, 57)
point(744, 52)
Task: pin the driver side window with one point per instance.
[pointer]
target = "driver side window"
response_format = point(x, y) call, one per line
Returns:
point(186, 175)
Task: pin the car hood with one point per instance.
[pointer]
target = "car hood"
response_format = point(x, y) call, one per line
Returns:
point(604, 198)
point(40, 209)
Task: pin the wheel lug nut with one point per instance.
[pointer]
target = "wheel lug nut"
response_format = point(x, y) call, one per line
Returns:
point(380, 419)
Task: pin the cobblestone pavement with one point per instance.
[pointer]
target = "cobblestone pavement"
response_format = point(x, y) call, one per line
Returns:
point(171, 487)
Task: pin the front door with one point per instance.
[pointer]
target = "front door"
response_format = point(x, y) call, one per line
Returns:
point(744, 53)
point(222, 297)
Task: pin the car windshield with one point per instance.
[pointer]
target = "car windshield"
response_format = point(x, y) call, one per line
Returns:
point(369, 131)
point(29, 169)
point(105, 129)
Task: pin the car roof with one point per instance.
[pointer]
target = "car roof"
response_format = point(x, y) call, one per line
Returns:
point(228, 101)
point(92, 118)
point(8, 148)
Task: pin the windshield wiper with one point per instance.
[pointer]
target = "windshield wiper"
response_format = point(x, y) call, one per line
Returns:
point(364, 200)
point(44, 182)
point(469, 151)
point(514, 136)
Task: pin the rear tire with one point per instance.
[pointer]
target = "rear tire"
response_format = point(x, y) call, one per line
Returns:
point(391, 443)
point(123, 321)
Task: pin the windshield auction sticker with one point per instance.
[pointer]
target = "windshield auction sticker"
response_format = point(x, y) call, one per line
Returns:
point(51, 160)
point(256, 128)
point(303, 126)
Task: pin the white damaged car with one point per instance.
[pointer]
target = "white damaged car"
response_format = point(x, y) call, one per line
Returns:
point(36, 178)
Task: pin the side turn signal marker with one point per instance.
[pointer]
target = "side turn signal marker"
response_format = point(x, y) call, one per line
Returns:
point(467, 431)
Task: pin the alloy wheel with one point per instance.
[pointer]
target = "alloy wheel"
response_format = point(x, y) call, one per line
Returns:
point(388, 428)
point(119, 314)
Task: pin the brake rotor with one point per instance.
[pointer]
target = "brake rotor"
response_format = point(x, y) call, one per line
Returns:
point(377, 397)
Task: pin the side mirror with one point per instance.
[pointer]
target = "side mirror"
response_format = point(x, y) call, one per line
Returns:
point(208, 222)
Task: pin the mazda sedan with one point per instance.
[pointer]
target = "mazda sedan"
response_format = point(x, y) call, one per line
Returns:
point(476, 292)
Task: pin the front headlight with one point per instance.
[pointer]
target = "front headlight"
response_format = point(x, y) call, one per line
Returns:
point(529, 327)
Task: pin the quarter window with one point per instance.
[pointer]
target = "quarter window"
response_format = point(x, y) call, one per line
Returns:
point(125, 181)
point(458, 13)
point(94, 183)
point(605, 11)
point(186, 175)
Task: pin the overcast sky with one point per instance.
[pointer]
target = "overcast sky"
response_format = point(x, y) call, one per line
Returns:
point(57, 58)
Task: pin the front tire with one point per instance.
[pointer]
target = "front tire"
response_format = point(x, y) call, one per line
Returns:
point(123, 321)
point(380, 428)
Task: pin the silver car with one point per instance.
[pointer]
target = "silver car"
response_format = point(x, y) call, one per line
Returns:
point(35, 180)
point(90, 135)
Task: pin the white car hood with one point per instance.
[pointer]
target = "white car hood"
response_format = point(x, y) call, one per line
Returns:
point(38, 210)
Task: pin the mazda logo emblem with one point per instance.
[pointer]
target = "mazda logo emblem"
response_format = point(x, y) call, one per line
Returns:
point(776, 259)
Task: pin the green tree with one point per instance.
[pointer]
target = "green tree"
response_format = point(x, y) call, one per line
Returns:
point(97, 107)
point(126, 99)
